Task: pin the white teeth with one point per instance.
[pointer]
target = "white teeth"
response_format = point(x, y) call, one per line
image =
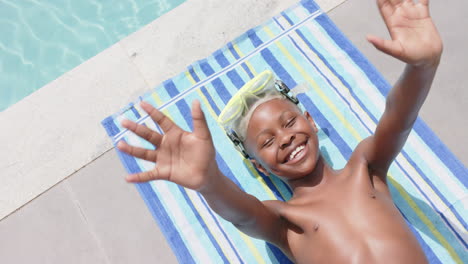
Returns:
point(297, 150)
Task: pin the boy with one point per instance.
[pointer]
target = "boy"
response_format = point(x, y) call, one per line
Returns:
point(343, 216)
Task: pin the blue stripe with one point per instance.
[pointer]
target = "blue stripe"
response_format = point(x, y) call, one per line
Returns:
point(426, 134)
point(182, 105)
point(426, 212)
point(285, 77)
point(203, 224)
point(426, 179)
point(438, 193)
point(237, 56)
point(218, 74)
point(453, 229)
point(420, 127)
point(310, 6)
point(273, 188)
point(204, 91)
point(220, 89)
point(217, 83)
point(442, 152)
point(232, 74)
point(306, 101)
point(109, 126)
point(156, 208)
point(210, 100)
point(363, 106)
point(323, 122)
point(240, 83)
point(279, 255)
point(221, 229)
point(224, 167)
point(325, 61)
point(135, 112)
point(221, 163)
point(433, 259)
point(184, 109)
point(166, 226)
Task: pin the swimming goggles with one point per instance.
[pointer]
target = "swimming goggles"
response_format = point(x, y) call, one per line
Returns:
point(257, 88)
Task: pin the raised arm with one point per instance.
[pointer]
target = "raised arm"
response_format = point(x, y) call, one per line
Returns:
point(415, 41)
point(188, 159)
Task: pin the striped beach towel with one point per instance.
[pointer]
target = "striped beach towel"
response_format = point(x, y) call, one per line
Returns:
point(346, 99)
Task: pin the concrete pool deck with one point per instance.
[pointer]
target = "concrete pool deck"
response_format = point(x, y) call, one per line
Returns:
point(93, 215)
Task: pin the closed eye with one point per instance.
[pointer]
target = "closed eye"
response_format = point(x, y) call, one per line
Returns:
point(291, 122)
point(267, 143)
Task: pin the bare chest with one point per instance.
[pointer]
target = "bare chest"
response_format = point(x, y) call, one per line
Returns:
point(344, 220)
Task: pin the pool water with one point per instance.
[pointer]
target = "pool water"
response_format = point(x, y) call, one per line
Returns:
point(42, 39)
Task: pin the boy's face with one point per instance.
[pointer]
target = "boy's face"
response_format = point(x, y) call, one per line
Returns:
point(282, 139)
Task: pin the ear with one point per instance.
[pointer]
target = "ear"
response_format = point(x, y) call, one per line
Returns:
point(260, 167)
point(311, 120)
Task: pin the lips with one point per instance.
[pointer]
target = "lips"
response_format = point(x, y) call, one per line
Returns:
point(296, 153)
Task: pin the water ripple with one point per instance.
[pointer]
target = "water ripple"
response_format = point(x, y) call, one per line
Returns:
point(40, 40)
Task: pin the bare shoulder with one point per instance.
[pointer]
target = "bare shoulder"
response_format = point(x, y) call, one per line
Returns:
point(275, 206)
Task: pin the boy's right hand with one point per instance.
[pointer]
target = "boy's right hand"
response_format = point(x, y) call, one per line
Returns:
point(185, 158)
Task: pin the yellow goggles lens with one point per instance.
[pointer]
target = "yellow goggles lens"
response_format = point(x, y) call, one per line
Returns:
point(235, 106)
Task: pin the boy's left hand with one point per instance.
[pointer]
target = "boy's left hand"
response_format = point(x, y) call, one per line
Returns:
point(415, 39)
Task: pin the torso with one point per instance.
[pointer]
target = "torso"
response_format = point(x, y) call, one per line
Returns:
point(350, 219)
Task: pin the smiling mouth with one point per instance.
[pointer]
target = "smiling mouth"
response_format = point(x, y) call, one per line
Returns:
point(296, 154)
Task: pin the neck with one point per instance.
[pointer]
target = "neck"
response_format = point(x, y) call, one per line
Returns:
point(315, 179)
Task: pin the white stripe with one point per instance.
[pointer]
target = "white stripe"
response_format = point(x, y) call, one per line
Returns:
point(181, 95)
point(440, 171)
point(183, 226)
point(439, 203)
point(414, 141)
point(365, 84)
point(202, 210)
point(418, 144)
point(326, 72)
point(213, 227)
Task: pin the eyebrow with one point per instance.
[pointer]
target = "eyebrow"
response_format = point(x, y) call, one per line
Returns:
point(281, 117)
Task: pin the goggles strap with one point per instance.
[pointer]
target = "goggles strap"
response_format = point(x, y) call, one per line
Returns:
point(237, 143)
point(284, 90)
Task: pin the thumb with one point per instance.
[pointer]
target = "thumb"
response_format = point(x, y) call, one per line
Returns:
point(390, 47)
point(200, 127)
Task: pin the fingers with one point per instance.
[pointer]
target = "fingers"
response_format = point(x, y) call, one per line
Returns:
point(143, 176)
point(390, 2)
point(141, 153)
point(163, 121)
point(386, 8)
point(200, 128)
point(392, 48)
point(143, 131)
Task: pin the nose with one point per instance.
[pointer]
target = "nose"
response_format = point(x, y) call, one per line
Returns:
point(286, 139)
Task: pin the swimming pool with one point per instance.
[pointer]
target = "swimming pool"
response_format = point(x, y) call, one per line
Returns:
point(42, 39)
